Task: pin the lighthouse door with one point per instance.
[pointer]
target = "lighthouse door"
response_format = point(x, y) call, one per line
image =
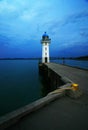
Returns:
point(45, 59)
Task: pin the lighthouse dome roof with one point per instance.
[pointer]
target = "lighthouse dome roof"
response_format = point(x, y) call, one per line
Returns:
point(45, 35)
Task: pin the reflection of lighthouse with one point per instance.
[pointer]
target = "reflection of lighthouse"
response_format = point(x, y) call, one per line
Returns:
point(45, 48)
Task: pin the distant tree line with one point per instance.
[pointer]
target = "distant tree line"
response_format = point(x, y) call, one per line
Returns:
point(52, 58)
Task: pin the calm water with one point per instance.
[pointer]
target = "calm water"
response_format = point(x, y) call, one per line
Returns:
point(20, 82)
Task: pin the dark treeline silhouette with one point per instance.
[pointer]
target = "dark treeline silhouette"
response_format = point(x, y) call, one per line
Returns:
point(52, 58)
point(20, 58)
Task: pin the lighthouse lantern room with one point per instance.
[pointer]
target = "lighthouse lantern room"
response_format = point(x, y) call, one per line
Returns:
point(45, 48)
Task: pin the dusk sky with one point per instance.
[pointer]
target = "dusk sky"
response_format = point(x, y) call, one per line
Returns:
point(23, 22)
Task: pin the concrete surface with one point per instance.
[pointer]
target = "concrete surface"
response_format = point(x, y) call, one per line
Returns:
point(14, 116)
point(76, 75)
point(62, 114)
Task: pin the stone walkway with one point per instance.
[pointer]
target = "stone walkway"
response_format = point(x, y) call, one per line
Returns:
point(76, 75)
point(62, 114)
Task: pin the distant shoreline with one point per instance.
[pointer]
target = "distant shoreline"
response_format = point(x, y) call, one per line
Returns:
point(52, 58)
point(20, 58)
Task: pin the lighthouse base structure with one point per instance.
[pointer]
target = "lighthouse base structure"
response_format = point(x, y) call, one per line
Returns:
point(45, 60)
point(45, 54)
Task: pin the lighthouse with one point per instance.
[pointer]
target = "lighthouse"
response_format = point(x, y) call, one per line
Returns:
point(45, 48)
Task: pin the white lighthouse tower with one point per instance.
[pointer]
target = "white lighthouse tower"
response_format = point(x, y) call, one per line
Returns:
point(45, 48)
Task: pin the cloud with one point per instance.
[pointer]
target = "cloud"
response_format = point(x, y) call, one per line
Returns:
point(22, 17)
point(22, 23)
point(72, 29)
point(84, 34)
point(70, 22)
point(76, 17)
point(4, 40)
point(74, 50)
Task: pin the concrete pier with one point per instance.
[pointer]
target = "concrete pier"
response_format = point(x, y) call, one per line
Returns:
point(71, 74)
point(63, 113)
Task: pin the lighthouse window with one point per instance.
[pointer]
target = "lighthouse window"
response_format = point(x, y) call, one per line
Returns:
point(45, 48)
point(46, 54)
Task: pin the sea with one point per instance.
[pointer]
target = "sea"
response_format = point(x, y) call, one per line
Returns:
point(20, 82)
